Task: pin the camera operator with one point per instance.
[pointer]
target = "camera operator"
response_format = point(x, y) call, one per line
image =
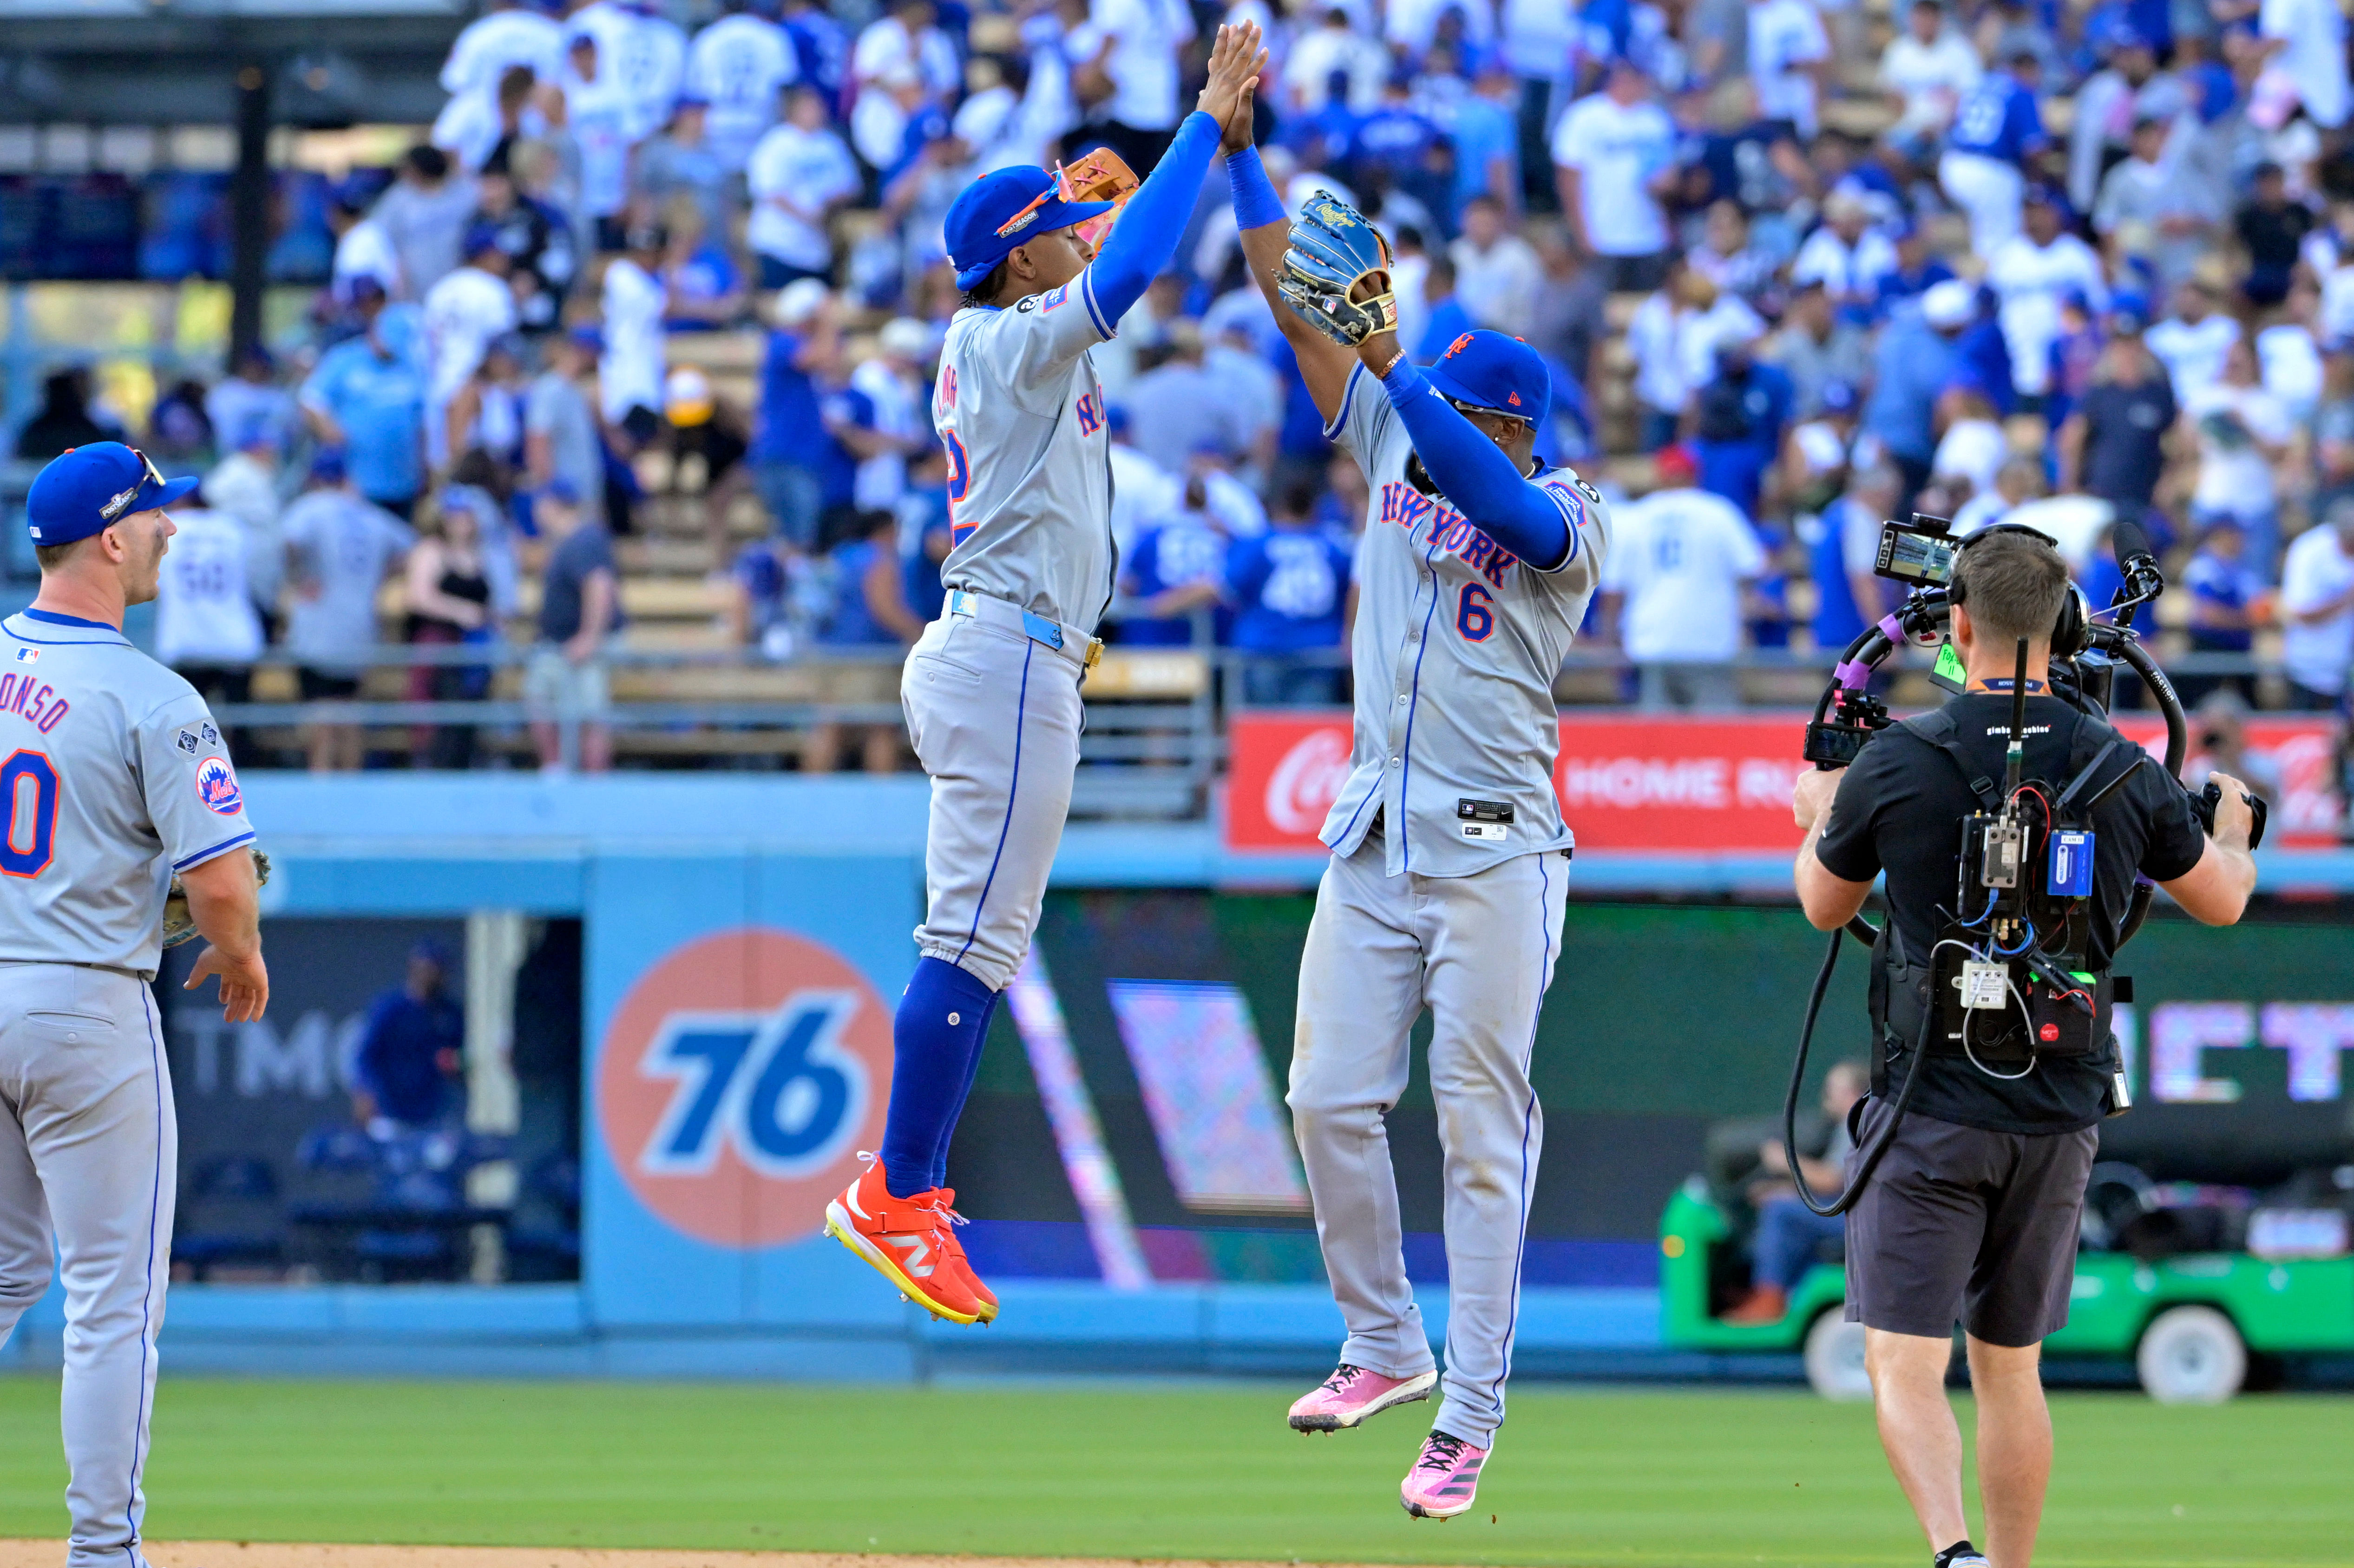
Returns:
point(1972, 1214)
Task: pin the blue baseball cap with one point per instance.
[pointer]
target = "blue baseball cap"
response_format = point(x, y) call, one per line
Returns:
point(1003, 209)
point(327, 465)
point(86, 489)
point(1495, 372)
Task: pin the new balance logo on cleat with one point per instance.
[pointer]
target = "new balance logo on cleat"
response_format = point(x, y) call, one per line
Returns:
point(915, 1255)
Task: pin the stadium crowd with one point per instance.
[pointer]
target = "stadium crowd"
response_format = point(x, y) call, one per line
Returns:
point(1795, 269)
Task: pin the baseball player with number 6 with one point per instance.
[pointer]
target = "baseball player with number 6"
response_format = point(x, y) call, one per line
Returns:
point(992, 688)
point(1449, 856)
point(122, 816)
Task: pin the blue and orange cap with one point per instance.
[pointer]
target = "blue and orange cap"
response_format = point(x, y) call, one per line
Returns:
point(87, 490)
point(1496, 373)
point(1006, 208)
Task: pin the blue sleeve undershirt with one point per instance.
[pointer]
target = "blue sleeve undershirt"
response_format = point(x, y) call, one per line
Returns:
point(1256, 203)
point(1144, 241)
point(1476, 476)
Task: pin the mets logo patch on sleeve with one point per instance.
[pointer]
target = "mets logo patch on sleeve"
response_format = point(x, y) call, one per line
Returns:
point(216, 786)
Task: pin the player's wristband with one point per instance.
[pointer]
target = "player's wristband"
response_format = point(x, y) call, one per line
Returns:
point(1401, 380)
point(1256, 203)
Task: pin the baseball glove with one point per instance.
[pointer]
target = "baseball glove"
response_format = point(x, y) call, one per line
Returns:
point(1333, 248)
point(1099, 174)
point(179, 925)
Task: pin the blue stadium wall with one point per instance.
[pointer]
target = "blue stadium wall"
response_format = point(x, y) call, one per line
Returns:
point(763, 924)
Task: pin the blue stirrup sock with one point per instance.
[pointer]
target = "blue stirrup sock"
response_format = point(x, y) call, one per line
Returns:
point(935, 1043)
point(964, 1093)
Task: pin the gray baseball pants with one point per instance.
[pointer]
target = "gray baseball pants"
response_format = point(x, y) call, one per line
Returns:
point(90, 1146)
point(1479, 951)
point(994, 714)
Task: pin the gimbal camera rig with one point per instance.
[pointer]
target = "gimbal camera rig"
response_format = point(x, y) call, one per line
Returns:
point(2021, 977)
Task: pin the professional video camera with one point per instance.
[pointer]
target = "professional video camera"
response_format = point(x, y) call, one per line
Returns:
point(2010, 977)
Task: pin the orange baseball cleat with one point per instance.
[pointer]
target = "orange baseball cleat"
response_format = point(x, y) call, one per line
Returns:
point(981, 1293)
point(907, 1239)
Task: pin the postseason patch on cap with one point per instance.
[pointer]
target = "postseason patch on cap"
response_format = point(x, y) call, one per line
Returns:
point(216, 786)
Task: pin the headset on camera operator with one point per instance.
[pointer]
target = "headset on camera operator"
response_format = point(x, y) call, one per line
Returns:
point(1991, 994)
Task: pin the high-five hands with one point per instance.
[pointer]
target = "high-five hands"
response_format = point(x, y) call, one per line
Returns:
point(1237, 60)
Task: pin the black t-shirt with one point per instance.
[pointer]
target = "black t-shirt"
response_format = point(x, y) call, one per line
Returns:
point(2123, 429)
point(1900, 809)
point(2273, 234)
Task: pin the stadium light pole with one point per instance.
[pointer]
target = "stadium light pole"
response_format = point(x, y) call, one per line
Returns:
point(249, 208)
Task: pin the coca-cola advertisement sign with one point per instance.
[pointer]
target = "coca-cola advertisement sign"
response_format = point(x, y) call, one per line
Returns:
point(1669, 782)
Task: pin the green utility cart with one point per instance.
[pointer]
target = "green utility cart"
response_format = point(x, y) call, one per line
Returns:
point(2188, 1323)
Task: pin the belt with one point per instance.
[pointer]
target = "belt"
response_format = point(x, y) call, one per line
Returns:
point(1068, 641)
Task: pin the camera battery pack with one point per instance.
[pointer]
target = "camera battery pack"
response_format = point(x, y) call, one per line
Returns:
point(2070, 873)
point(1985, 985)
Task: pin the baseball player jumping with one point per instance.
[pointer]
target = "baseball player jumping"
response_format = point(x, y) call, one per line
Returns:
point(991, 689)
point(113, 782)
point(1449, 856)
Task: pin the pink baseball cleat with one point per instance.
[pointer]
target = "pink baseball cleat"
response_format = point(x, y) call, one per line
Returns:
point(1445, 1480)
point(1352, 1393)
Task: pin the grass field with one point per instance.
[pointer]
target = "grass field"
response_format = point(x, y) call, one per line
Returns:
point(1580, 1478)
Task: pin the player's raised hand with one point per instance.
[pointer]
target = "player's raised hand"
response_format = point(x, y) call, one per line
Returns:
point(1236, 60)
point(244, 983)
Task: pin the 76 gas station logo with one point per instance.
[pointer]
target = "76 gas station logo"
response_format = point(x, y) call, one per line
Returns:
point(778, 1088)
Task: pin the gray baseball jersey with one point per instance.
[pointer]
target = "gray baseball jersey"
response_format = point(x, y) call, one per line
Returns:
point(112, 774)
point(1018, 406)
point(1455, 647)
point(115, 777)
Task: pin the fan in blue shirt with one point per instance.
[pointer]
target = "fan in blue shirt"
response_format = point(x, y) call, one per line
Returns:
point(1999, 118)
point(1177, 567)
point(1290, 587)
point(2222, 588)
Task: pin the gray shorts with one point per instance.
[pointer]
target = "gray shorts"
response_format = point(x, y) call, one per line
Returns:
point(1963, 1224)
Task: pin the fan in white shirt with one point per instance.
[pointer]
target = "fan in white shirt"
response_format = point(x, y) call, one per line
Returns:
point(1845, 255)
point(2029, 271)
point(1606, 151)
point(464, 311)
point(1789, 52)
point(644, 56)
point(2317, 604)
point(1145, 37)
point(737, 65)
point(629, 377)
point(597, 113)
point(2193, 341)
point(507, 33)
point(363, 249)
point(204, 616)
point(798, 173)
point(1927, 69)
point(1334, 45)
point(2309, 39)
point(1672, 582)
point(906, 46)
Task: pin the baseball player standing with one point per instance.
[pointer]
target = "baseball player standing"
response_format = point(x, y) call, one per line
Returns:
point(992, 688)
point(1449, 856)
point(112, 780)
